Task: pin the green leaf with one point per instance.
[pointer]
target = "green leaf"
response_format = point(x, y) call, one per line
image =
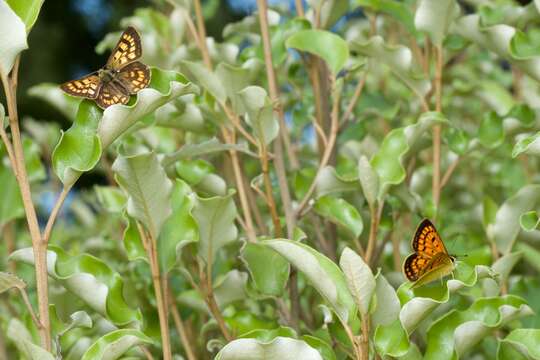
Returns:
point(22, 339)
point(524, 46)
point(215, 217)
point(389, 160)
point(530, 254)
point(391, 340)
point(529, 145)
point(52, 94)
point(79, 148)
point(503, 265)
point(496, 38)
point(329, 182)
point(11, 205)
point(260, 113)
point(269, 270)
point(387, 304)
point(9, 281)
point(282, 348)
point(13, 39)
point(111, 198)
point(340, 212)
point(230, 288)
point(206, 147)
point(470, 326)
point(506, 226)
point(491, 131)
point(116, 343)
point(148, 188)
point(529, 220)
point(524, 342)
point(180, 229)
point(27, 10)
point(132, 241)
point(419, 304)
point(234, 79)
point(200, 74)
point(399, 60)
point(435, 18)
point(396, 9)
point(326, 45)
point(360, 279)
point(90, 279)
point(457, 140)
point(369, 180)
point(322, 273)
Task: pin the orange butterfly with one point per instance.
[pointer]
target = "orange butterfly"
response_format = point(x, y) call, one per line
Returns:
point(430, 260)
point(121, 77)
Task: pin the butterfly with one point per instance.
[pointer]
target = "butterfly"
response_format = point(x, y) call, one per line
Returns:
point(121, 76)
point(430, 260)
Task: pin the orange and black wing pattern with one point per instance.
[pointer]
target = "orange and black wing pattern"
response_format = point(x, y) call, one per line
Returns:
point(87, 86)
point(428, 247)
point(134, 77)
point(128, 49)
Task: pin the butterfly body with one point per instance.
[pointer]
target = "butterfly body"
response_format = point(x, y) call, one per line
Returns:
point(121, 77)
point(431, 260)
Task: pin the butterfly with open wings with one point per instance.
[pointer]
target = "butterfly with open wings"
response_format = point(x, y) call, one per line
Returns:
point(121, 77)
point(430, 260)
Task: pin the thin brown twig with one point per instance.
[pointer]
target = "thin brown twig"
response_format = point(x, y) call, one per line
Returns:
point(150, 245)
point(299, 8)
point(354, 100)
point(376, 212)
point(436, 183)
point(28, 305)
point(279, 163)
point(179, 324)
point(327, 152)
point(54, 213)
point(449, 172)
point(40, 251)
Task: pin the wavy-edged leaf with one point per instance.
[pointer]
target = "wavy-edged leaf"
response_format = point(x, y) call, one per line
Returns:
point(498, 39)
point(491, 131)
point(268, 269)
point(360, 279)
point(323, 274)
point(507, 226)
point(111, 198)
point(387, 306)
point(399, 60)
point(230, 288)
point(340, 212)
point(435, 18)
point(326, 45)
point(114, 344)
point(79, 148)
point(470, 326)
point(200, 74)
point(215, 217)
point(388, 162)
point(148, 188)
point(88, 278)
point(329, 181)
point(12, 38)
point(520, 342)
point(396, 9)
point(282, 348)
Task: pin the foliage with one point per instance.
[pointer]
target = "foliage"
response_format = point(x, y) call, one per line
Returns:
point(258, 198)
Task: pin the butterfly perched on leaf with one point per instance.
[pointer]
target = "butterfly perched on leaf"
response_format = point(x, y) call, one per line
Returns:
point(121, 77)
point(430, 260)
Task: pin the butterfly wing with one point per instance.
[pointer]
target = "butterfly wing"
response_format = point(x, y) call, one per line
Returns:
point(427, 241)
point(414, 266)
point(134, 77)
point(87, 86)
point(111, 95)
point(127, 50)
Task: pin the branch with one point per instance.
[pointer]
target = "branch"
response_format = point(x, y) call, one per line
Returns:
point(181, 329)
point(436, 183)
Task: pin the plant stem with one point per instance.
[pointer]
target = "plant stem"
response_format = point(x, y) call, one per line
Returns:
point(354, 100)
point(181, 329)
point(54, 213)
point(202, 33)
point(39, 248)
point(364, 345)
point(358, 354)
point(436, 184)
point(28, 305)
point(279, 163)
point(299, 8)
point(327, 152)
point(150, 245)
point(376, 212)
